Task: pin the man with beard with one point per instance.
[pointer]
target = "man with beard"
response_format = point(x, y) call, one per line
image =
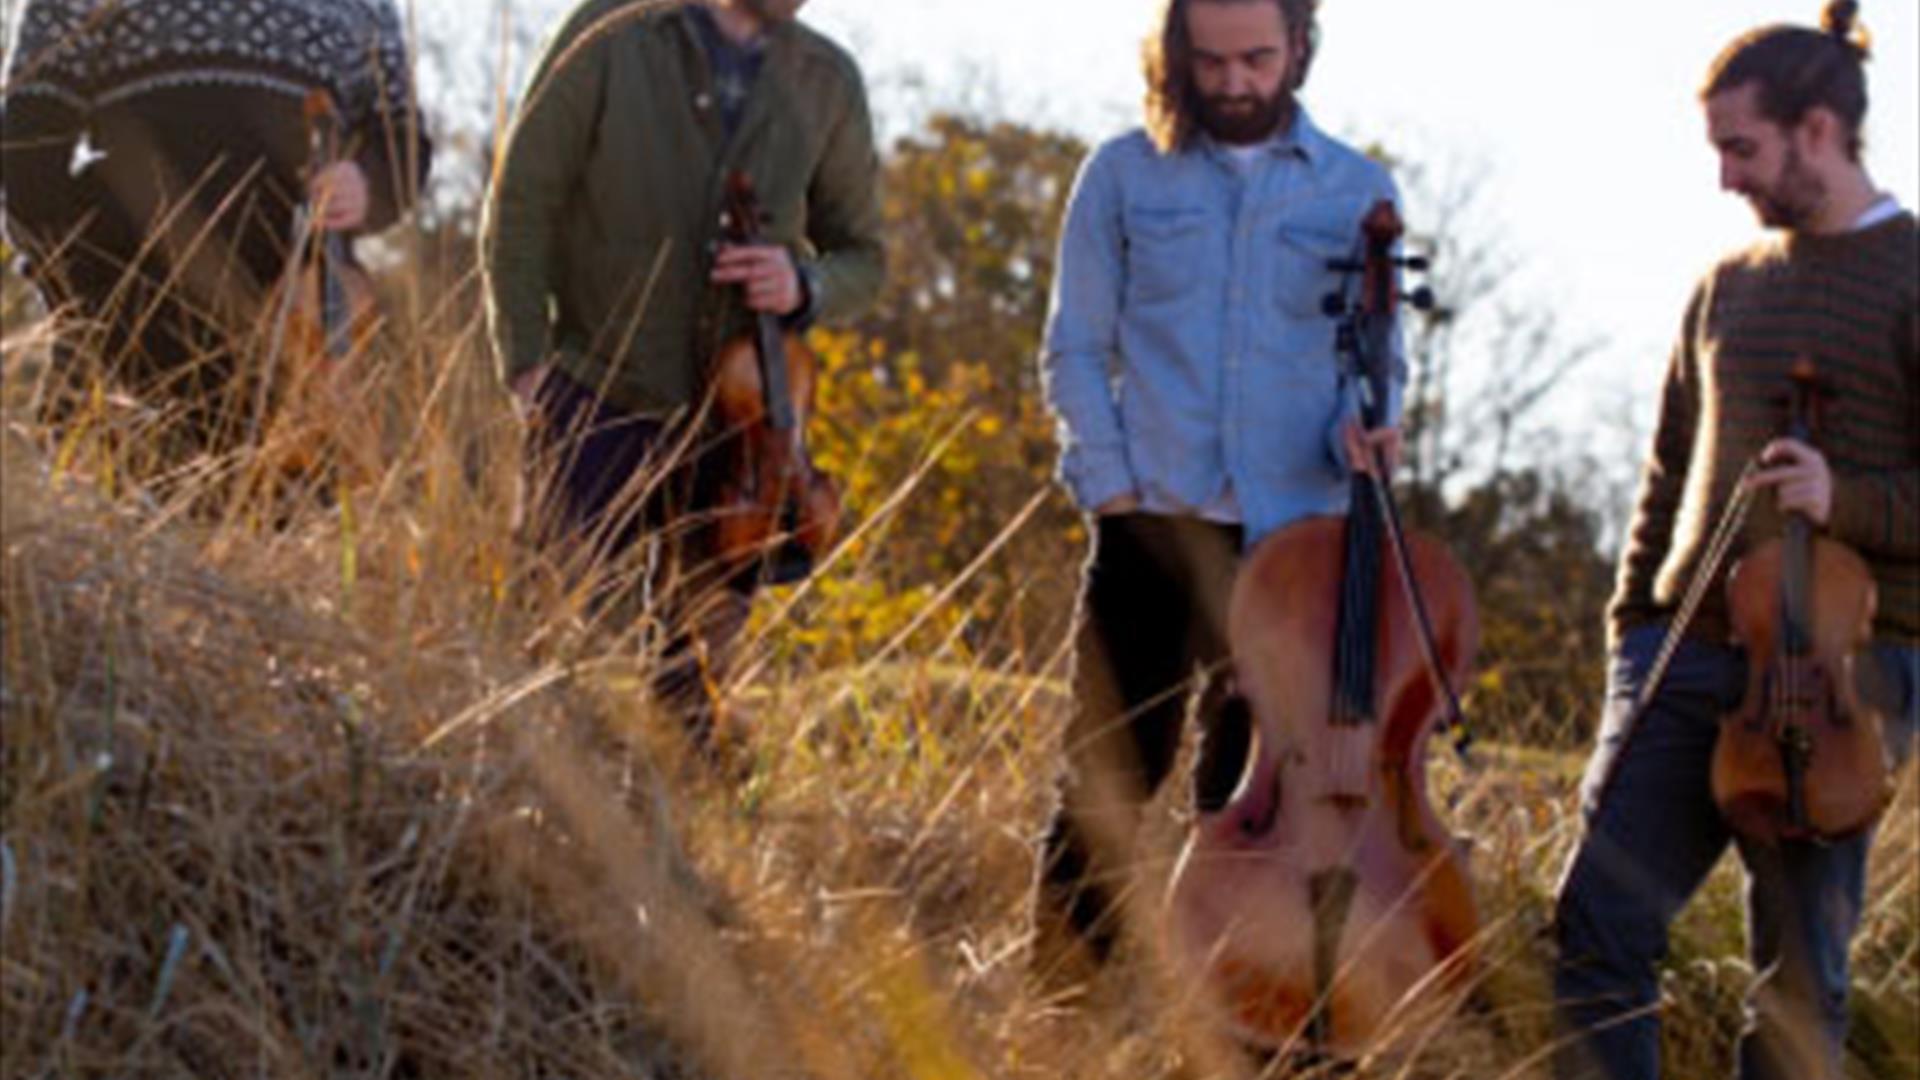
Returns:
point(1839, 286)
point(608, 291)
point(1201, 404)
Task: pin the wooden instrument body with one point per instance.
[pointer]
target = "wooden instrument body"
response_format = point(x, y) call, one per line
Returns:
point(1802, 756)
point(1243, 902)
point(328, 325)
point(1325, 907)
point(771, 505)
point(771, 489)
point(1809, 699)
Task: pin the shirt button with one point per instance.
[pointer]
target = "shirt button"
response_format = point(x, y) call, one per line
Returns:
point(703, 101)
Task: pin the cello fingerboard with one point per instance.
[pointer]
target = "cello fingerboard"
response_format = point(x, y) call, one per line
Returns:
point(1354, 659)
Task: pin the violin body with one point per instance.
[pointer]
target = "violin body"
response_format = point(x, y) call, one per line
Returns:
point(1327, 894)
point(323, 412)
point(1803, 756)
point(328, 316)
point(335, 312)
point(772, 507)
point(771, 493)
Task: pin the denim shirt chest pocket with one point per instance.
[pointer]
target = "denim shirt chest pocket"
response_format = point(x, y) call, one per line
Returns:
point(1307, 236)
point(1166, 250)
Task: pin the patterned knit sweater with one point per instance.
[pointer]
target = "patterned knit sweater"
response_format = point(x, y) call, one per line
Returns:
point(94, 53)
point(1848, 303)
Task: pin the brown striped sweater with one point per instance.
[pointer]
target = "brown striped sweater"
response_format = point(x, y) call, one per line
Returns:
point(1847, 302)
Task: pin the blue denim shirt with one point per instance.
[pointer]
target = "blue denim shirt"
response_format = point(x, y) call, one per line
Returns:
point(1187, 357)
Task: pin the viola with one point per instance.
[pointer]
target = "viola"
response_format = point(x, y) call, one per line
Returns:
point(328, 316)
point(1326, 902)
point(1803, 756)
point(773, 505)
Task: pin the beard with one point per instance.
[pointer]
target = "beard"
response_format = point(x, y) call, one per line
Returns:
point(1247, 118)
point(1794, 196)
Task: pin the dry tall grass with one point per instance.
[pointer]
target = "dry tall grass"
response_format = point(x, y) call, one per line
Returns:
point(341, 784)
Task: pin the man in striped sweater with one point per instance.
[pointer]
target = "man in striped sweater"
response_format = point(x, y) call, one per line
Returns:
point(1784, 109)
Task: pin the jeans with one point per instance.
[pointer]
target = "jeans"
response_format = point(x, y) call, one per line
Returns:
point(1650, 843)
point(608, 486)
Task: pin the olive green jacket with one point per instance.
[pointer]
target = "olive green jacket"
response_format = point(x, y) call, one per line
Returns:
point(598, 238)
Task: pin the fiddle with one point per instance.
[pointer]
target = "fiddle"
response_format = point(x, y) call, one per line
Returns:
point(328, 318)
point(772, 504)
point(1326, 902)
point(1803, 756)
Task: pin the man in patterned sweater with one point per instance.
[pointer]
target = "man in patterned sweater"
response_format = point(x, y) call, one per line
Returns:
point(155, 152)
point(1784, 109)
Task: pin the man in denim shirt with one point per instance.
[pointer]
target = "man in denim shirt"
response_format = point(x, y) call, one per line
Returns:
point(1201, 405)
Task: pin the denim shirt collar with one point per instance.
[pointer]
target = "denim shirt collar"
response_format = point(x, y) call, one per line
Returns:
point(1302, 141)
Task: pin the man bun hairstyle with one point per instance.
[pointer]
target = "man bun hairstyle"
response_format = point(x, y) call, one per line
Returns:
point(1797, 69)
point(1841, 22)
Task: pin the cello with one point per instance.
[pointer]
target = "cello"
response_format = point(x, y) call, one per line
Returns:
point(1326, 899)
point(1803, 756)
point(771, 504)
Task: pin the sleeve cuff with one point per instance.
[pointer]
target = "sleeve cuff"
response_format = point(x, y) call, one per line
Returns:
point(802, 318)
point(1093, 487)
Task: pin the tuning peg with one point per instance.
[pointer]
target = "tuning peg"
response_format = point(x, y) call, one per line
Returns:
point(1421, 298)
point(1333, 305)
point(1419, 264)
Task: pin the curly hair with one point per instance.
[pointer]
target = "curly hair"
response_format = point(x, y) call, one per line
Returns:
point(1798, 68)
point(1167, 61)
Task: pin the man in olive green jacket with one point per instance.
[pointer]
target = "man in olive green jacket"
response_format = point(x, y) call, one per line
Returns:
point(606, 289)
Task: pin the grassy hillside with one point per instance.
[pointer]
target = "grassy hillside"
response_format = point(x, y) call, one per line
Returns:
point(331, 777)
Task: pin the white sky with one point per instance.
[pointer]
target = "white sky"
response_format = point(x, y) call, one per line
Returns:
point(1580, 117)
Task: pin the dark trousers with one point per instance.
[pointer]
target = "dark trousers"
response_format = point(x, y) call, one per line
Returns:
point(617, 504)
point(1150, 645)
point(160, 254)
point(1650, 843)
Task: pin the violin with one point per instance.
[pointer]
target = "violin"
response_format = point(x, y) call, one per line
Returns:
point(772, 504)
point(328, 318)
point(1326, 902)
point(1803, 756)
